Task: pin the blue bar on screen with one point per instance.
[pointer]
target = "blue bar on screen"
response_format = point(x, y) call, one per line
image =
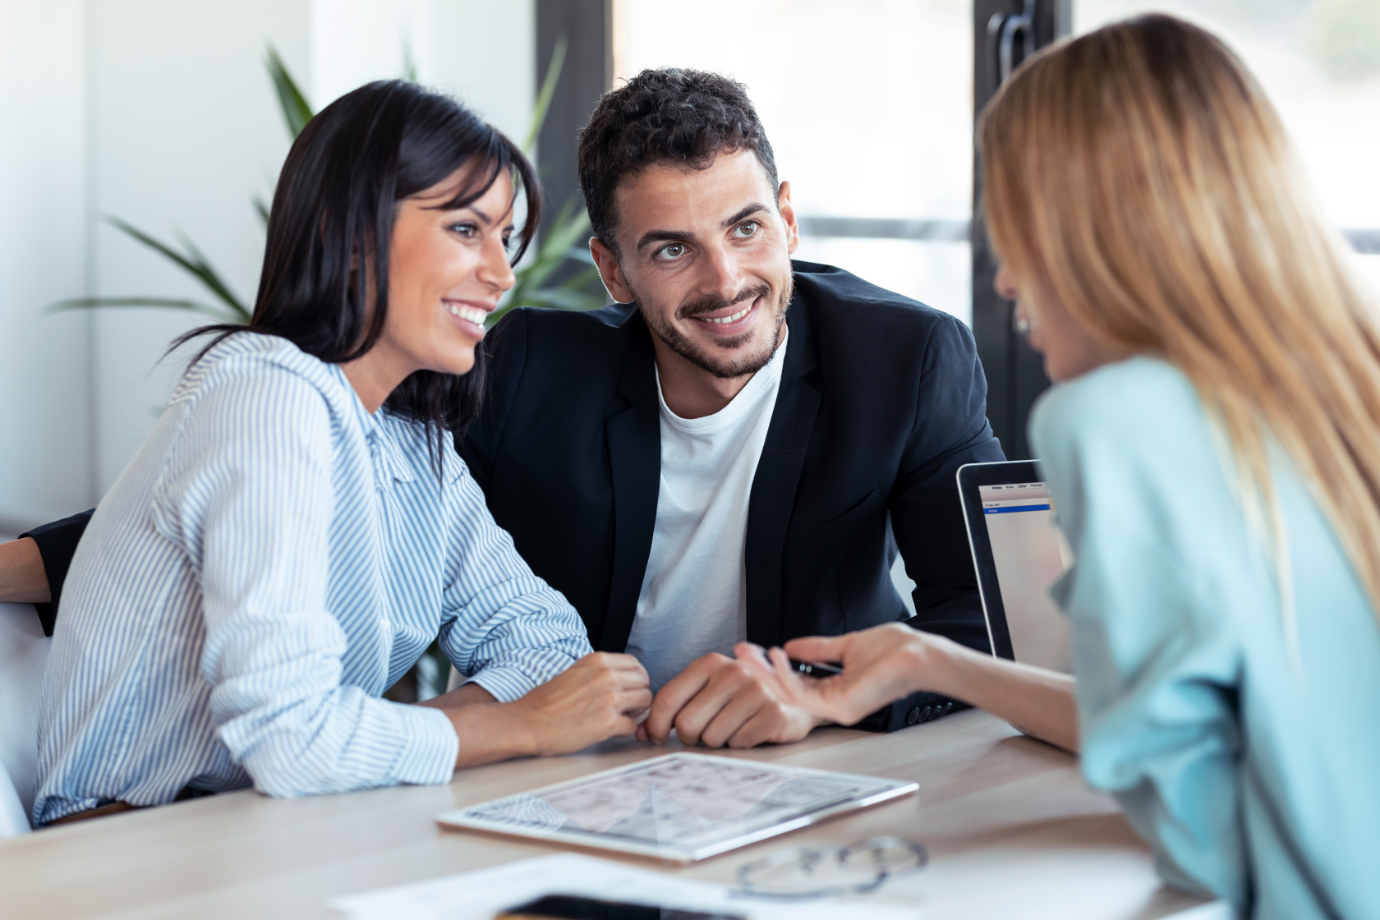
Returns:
point(1044, 507)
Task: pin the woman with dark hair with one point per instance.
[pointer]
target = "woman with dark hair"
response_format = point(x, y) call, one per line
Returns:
point(296, 530)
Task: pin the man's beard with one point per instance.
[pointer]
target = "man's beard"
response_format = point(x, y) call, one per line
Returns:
point(723, 366)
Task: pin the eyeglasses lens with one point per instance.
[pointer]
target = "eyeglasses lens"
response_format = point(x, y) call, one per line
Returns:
point(858, 867)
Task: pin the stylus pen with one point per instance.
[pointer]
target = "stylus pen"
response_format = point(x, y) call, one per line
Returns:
point(815, 668)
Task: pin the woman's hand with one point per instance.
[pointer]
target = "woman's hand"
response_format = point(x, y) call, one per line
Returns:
point(598, 697)
point(888, 662)
point(880, 664)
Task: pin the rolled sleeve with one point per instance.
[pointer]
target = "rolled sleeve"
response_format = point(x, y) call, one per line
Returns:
point(503, 627)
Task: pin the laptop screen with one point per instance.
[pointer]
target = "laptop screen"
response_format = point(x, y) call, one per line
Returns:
point(1029, 553)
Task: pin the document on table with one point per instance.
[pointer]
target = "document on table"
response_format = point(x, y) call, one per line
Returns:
point(482, 894)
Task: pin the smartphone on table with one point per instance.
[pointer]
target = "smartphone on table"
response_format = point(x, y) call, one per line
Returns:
point(573, 907)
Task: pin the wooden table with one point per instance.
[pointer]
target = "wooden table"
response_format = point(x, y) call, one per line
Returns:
point(1011, 830)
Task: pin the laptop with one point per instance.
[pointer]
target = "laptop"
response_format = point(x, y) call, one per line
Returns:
point(1018, 553)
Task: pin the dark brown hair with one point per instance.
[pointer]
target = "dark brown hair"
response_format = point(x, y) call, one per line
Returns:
point(337, 198)
point(684, 117)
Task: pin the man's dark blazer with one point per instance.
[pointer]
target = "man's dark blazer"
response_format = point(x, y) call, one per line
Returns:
point(881, 401)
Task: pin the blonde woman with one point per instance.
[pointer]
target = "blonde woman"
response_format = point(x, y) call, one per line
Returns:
point(1215, 453)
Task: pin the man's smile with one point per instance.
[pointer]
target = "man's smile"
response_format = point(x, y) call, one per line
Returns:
point(731, 320)
point(727, 319)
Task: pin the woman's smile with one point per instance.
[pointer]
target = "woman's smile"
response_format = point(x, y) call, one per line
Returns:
point(469, 315)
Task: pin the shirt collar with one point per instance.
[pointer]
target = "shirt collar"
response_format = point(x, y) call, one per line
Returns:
point(390, 465)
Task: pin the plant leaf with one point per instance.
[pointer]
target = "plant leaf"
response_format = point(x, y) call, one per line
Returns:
point(194, 306)
point(193, 262)
point(296, 110)
point(548, 89)
point(409, 62)
point(580, 254)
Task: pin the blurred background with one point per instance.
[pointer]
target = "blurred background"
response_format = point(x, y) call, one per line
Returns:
point(163, 114)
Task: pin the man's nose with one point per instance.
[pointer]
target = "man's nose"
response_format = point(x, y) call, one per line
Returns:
point(724, 274)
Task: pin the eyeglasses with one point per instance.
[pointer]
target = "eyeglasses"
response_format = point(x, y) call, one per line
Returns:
point(805, 872)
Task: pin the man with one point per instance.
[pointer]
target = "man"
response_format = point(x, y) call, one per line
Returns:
point(737, 448)
point(725, 453)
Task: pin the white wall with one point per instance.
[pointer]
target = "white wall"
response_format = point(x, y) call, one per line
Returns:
point(479, 59)
point(186, 131)
point(44, 420)
point(161, 112)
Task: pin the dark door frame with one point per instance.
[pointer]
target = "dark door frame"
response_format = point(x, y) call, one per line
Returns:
point(587, 27)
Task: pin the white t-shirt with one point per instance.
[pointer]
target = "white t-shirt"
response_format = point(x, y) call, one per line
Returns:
point(694, 593)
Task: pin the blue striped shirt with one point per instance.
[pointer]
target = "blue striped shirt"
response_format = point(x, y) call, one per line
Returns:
point(269, 563)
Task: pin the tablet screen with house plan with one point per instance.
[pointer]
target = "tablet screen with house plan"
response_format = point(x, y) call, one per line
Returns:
point(679, 807)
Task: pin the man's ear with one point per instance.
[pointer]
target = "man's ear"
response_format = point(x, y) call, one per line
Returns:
point(783, 204)
point(609, 272)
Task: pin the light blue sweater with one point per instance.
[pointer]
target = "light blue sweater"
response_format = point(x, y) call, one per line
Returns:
point(1254, 774)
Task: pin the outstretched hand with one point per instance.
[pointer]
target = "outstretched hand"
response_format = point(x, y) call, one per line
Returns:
point(880, 665)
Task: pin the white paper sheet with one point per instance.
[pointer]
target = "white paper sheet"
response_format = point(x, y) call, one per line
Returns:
point(480, 895)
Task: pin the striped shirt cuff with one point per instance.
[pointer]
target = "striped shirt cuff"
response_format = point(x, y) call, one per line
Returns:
point(505, 682)
point(430, 747)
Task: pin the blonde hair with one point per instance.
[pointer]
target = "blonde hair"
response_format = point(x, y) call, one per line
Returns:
point(1140, 171)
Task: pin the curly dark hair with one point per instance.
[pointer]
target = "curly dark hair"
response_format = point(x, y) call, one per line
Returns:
point(671, 115)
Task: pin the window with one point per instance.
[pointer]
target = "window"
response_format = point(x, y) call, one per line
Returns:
point(868, 105)
point(1319, 62)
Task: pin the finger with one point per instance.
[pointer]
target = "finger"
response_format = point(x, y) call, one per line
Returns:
point(782, 680)
point(793, 688)
point(669, 701)
point(628, 681)
point(633, 701)
point(615, 662)
point(725, 686)
point(751, 654)
point(785, 673)
point(621, 726)
point(744, 706)
point(759, 729)
point(626, 664)
point(841, 699)
point(641, 733)
point(817, 648)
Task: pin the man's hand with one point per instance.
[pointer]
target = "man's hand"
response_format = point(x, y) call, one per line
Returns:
point(718, 701)
point(597, 698)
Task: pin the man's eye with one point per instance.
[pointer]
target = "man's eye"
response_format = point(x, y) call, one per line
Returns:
point(671, 251)
point(748, 228)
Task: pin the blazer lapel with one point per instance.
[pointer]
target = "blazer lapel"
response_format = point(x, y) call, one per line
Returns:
point(774, 484)
point(632, 429)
